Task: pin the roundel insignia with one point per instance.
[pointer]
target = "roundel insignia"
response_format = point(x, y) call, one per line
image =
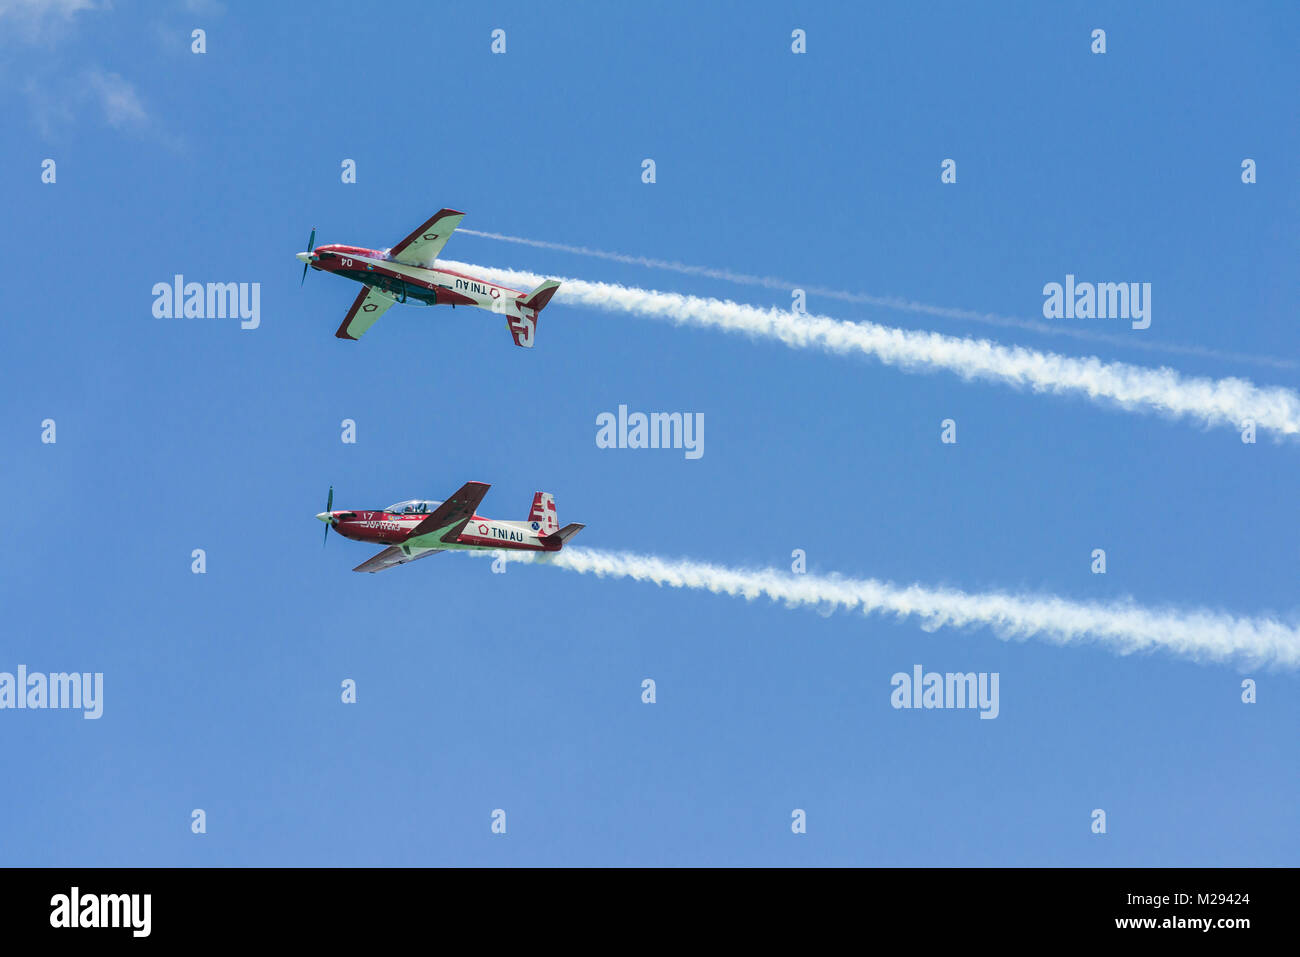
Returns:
point(369, 307)
point(494, 292)
point(430, 237)
point(482, 529)
point(536, 526)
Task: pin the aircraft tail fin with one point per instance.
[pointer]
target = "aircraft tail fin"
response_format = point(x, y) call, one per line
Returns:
point(544, 514)
point(523, 319)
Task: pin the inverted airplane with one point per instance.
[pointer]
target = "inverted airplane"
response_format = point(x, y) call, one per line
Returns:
point(416, 528)
point(408, 272)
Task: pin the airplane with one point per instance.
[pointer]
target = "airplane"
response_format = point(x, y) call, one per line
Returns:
point(408, 272)
point(416, 528)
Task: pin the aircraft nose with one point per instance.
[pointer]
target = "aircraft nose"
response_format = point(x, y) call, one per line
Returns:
point(303, 257)
point(324, 516)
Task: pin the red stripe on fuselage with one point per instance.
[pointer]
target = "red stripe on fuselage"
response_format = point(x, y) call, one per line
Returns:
point(461, 275)
point(361, 529)
point(467, 539)
point(329, 262)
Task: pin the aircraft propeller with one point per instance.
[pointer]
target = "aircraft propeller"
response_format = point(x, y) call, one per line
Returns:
point(311, 244)
point(329, 504)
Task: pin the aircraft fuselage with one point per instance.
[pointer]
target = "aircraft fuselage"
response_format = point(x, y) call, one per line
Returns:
point(415, 284)
point(387, 528)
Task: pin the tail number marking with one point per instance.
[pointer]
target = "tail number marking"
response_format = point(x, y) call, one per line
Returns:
point(524, 327)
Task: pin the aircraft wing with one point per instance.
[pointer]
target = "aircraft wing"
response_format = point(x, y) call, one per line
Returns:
point(369, 305)
point(394, 556)
point(451, 516)
point(421, 248)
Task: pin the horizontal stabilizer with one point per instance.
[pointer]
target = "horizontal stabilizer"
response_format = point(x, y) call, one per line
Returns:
point(539, 297)
point(563, 535)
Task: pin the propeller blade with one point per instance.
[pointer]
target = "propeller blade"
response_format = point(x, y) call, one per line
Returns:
point(311, 244)
point(329, 505)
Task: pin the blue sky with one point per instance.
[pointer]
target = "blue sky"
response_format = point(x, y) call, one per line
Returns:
point(522, 691)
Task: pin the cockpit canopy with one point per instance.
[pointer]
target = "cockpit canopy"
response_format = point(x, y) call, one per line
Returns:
point(414, 506)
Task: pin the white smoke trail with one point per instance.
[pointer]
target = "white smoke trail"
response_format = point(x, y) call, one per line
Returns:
point(1125, 627)
point(893, 302)
point(1226, 402)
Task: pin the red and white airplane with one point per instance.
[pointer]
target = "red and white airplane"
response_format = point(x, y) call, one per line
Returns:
point(418, 528)
point(409, 273)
